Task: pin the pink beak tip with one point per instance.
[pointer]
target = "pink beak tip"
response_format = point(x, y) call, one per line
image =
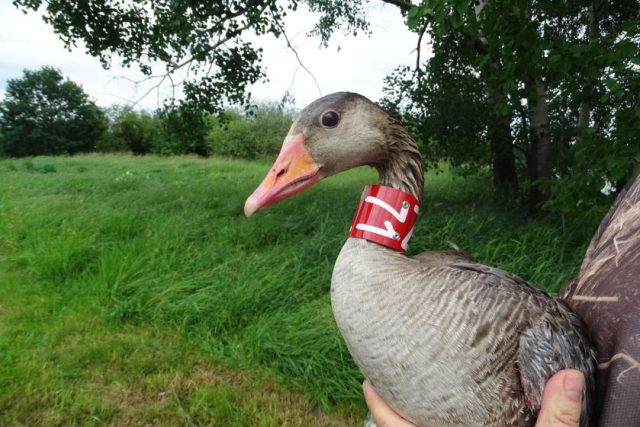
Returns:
point(250, 206)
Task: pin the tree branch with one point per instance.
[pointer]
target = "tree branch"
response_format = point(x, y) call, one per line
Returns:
point(171, 69)
point(404, 5)
point(295, 52)
point(418, 47)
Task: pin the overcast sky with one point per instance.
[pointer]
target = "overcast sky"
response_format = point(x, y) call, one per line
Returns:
point(354, 64)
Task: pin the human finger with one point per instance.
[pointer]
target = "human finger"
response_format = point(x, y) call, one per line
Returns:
point(382, 413)
point(562, 400)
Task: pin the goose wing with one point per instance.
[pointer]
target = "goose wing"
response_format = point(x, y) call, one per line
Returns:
point(555, 338)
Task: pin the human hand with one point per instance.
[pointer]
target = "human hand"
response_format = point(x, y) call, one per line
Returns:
point(382, 413)
point(562, 400)
point(561, 403)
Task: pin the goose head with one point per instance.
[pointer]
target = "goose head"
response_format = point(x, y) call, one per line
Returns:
point(335, 133)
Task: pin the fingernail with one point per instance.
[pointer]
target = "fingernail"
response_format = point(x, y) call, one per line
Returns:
point(365, 386)
point(573, 385)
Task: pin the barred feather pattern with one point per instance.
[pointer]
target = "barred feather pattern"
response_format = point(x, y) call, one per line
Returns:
point(444, 340)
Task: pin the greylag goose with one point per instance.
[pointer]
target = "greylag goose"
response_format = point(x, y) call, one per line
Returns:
point(445, 340)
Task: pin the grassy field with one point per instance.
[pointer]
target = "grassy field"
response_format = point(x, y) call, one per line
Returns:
point(133, 291)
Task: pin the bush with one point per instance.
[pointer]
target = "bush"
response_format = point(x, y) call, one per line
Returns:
point(182, 131)
point(129, 130)
point(110, 143)
point(251, 135)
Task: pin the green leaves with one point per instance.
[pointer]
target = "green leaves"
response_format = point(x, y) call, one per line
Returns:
point(612, 84)
point(624, 51)
point(416, 15)
point(348, 15)
point(441, 14)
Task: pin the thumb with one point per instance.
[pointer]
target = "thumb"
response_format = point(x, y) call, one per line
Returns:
point(562, 400)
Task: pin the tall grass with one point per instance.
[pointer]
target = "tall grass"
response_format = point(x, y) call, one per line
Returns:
point(164, 242)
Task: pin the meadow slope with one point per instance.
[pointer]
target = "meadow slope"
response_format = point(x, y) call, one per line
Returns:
point(134, 291)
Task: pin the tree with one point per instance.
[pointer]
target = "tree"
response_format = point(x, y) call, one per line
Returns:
point(44, 114)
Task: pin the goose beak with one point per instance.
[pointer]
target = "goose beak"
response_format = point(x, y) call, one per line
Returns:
point(293, 171)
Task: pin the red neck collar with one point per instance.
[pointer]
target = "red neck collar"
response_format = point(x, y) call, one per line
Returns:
point(385, 216)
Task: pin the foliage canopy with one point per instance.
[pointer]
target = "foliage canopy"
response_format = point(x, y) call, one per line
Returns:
point(201, 36)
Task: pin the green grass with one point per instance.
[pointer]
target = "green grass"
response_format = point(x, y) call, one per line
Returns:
point(134, 291)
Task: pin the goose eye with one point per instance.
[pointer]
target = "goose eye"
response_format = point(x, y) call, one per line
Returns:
point(329, 119)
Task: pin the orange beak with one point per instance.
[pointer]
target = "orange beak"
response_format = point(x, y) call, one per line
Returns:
point(293, 171)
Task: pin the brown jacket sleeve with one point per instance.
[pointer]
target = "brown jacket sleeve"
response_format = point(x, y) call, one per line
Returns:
point(606, 293)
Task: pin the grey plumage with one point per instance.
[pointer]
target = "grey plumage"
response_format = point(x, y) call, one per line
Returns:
point(444, 340)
